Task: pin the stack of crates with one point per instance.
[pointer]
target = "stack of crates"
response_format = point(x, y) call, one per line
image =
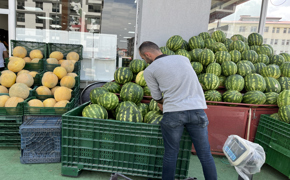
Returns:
point(40, 139)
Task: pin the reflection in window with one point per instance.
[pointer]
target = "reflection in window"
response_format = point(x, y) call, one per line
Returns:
point(275, 51)
point(289, 30)
point(266, 29)
point(285, 30)
point(20, 4)
point(276, 42)
point(253, 28)
point(55, 20)
point(39, 5)
point(283, 41)
point(273, 30)
point(288, 42)
point(278, 30)
point(39, 18)
point(265, 40)
point(242, 29)
point(20, 17)
point(272, 41)
point(55, 7)
point(95, 8)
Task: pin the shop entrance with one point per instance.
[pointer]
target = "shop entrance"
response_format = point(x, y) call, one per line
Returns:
point(4, 29)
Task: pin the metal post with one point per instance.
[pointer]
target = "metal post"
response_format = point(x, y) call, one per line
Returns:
point(263, 16)
point(12, 23)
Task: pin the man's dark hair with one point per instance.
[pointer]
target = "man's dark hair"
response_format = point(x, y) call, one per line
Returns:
point(148, 46)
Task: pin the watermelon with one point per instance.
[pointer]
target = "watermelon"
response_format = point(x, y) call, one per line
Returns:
point(137, 65)
point(206, 57)
point(232, 96)
point(214, 68)
point(284, 114)
point(195, 54)
point(263, 58)
point(174, 43)
point(196, 42)
point(185, 45)
point(247, 47)
point(155, 119)
point(255, 82)
point(227, 43)
point(123, 105)
point(238, 37)
point(153, 105)
point(237, 45)
point(96, 93)
point(123, 75)
point(129, 114)
point(255, 39)
point(254, 48)
point(204, 35)
point(243, 69)
point(197, 67)
point(140, 79)
point(235, 82)
point(271, 70)
point(218, 47)
point(95, 111)
point(131, 92)
point(218, 36)
point(108, 100)
point(222, 56)
point(277, 59)
point(184, 53)
point(112, 87)
point(264, 50)
point(285, 83)
point(209, 81)
point(235, 56)
point(222, 80)
point(151, 114)
point(143, 108)
point(166, 50)
point(209, 42)
point(259, 67)
point(286, 56)
point(147, 91)
point(275, 116)
point(250, 64)
point(272, 85)
point(254, 97)
point(270, 47)
point(229, 68)
point(271, 98)
point(284, 98)
point(213, 95)
point(250, 55)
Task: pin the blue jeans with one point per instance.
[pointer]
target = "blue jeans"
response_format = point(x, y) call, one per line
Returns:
point(195, 122)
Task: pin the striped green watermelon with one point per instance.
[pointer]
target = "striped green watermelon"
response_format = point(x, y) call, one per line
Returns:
point(151, 114)
point(272, 85)
point(196, 42)
point(232, 96)
point(263, 58)
point(96, 93)
point(275, 116)
point(229, 68)
point(195, 54)
point(254, 97)
point(204, 35)
point(243, 69)
point(123, 105)
point(155, 119)
point(235, 56)
point(95, 111)
point(250, 64)
point(222, 80)
point(108, 100)
point(140, 79)
point(185, 45)
point(271, 98)
point(137, 65)
point(209, 42)
point(174, 43)
point(214, 68)
point(238, 37)
point(254, 48)
point(209, 81)
point(206, 57)
point(218, 36)
point(222, 56)
point(143, 108)
point(112, 87)
point(147, 91)
point(286, 56)
point(131, 92)
point(259, 67)
point(235, 82)
point(184, 53)
point(284, 98)
point(218, 47)
point(227, 43)
point(255, 82)
point(270, 47)
point(255, 39)
point(129, 114)
point(285, 83)
point(247, 47)
point(277, 59)
point(264, 50)
point(213, 95)
point(250, 55)
point(153, 105)
point(284, 114)
point(237, 45)
point(123, 75)
point(166, 50)
point(197, 67)
point(271, 70)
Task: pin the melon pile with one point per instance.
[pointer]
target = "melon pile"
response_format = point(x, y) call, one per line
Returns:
point(56, 57)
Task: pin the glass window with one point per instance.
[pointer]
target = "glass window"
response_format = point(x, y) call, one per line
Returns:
point(266, 29)
point(253, 28)
point(95, 8)
point(272, 41)
point(285, 30)
point(273, 30)
point(20, 4)
point(289, 30)
point(276, 42)
point(39, 5)
point(283, 42)
point(39, 18)
point(288, 42)
point(55, 7)
point(20, 17)
point(242, 29)
point(265, 40)
point(278, 30)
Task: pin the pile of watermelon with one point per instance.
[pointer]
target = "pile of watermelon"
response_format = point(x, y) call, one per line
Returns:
point(247, 69)
point(131, 87)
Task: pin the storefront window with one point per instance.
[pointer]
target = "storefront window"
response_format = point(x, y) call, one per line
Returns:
point(4, 4)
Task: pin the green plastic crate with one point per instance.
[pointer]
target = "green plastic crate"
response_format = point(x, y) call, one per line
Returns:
point(30, 66)
point(28, 110)
point(65, 49)
point(10, 121)
point(50, 67)
point(10, 143)
point(11, 111)
point(10, 136)
point(115, 146)
point(29, 46)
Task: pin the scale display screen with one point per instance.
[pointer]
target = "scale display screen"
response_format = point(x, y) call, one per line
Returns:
point(235, 149)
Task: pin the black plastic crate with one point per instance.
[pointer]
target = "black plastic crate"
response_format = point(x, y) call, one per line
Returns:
point(40, 139)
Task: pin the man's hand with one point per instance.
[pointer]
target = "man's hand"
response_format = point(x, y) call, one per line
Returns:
point(160, 106)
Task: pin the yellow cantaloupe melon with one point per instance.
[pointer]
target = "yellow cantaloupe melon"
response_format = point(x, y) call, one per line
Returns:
point(72, 75)
point(60, 61)
point(13, 101)
point(36, 54)
point(35, 103)
point(22, 71)
point(13, 57)
point(52, 61)
point(68, 81)
point(49, 80)
point(3, 100)
point(8, 79)
point(50, 102)
point(72, 56)
point(16, 65)
point(35, 60)
point(60, 72)
point(26, 79)
point(43, 90)
point(53, 89)
point(19, 90)
point(3, 89)
point(62, 103)
point(62, 93)
point(27, 59)
point(19, 51)
point(57, 55)
point(7, 71)
point(33, 73)
point(68, 65)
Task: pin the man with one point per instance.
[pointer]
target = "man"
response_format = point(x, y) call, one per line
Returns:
point(183, 105)
point(3, 54)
